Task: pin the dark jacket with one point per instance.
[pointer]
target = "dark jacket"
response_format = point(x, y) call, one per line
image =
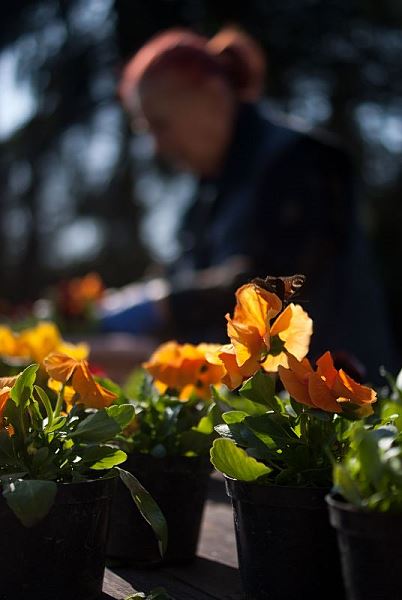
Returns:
point(285, 200)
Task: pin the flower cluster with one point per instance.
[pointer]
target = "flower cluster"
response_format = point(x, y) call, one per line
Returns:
point(262, 334)
point(35, 343)
point(265, 335)
point(185, 369)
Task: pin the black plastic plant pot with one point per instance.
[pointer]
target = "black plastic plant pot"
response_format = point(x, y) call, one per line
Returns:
point(371, 551)
point(179, 486)
point(286, 546)
point(63, 556)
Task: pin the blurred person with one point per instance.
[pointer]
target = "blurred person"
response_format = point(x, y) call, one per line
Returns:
point(270, 200)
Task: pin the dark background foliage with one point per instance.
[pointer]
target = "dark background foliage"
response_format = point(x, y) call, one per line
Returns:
point(66, 168)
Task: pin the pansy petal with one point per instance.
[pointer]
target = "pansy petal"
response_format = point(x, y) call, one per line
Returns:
point(8, 381)
point(4, 397)
point(359, 394)
point(256, 306)
point(246, 341)
point(295, 328)
point(92, 394)
point(326, 368)
point(178, 366)
point(321, 396)
point(69, 393)
point(60, 366)
point(294, 386)
point(272, 363)
point(77, 351)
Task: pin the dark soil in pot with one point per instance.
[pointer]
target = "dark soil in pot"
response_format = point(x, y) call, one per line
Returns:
point(63, 556)
point(286, 546)
point(179, 485)
point(371, 551)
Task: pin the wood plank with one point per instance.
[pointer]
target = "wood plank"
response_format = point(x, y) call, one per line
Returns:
point(115, 587)
point(212, 576)
point(217, 540)
point(202, 580)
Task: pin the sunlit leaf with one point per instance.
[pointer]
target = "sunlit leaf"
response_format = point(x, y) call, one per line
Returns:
point(235, 462)
point(147, 507)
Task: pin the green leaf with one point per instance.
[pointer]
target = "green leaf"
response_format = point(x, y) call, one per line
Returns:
point(23, 387)
point(29, 499)
point(345, 485)
point(207, 423)
point(194, 443)
point(235, 462)
point(123, 414)
point(272, 427)
point(58, 423)
point(234, 416)
point(47, 404)
point(147, 507)
point(370, 455)
point(103, 457)
point(260, 388)
point(245, 405)
point(97, 427)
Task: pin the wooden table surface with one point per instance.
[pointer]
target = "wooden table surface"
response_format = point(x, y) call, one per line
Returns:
point(214, 573)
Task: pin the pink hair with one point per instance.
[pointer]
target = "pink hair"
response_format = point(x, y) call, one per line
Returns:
point(230, 54)
point(175, 48)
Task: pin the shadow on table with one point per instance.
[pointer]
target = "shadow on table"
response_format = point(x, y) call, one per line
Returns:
point(203, 579)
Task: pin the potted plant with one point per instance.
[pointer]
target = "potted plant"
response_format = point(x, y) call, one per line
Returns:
point(57, 469)
point(275, 450)
point(168, 445)
point(366, 506)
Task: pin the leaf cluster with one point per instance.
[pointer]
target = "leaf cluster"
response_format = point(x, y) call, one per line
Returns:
point(370, 475)
point(164, 425)
point(275, 440)
point(40, 447)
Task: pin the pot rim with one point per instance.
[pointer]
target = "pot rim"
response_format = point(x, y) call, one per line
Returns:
point(306, 498)
point(351, 520)
point(336, 501)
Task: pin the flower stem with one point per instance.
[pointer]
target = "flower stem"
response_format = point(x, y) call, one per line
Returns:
point(59, 403)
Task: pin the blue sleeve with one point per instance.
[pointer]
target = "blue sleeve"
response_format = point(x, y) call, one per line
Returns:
point(140, 319)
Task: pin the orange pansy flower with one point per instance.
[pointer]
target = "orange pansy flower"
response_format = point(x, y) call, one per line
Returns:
point(326, 388)
point(234, 375)
point(62, 368)
point(256, 342)
point(185, 368)
point(249, 329)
